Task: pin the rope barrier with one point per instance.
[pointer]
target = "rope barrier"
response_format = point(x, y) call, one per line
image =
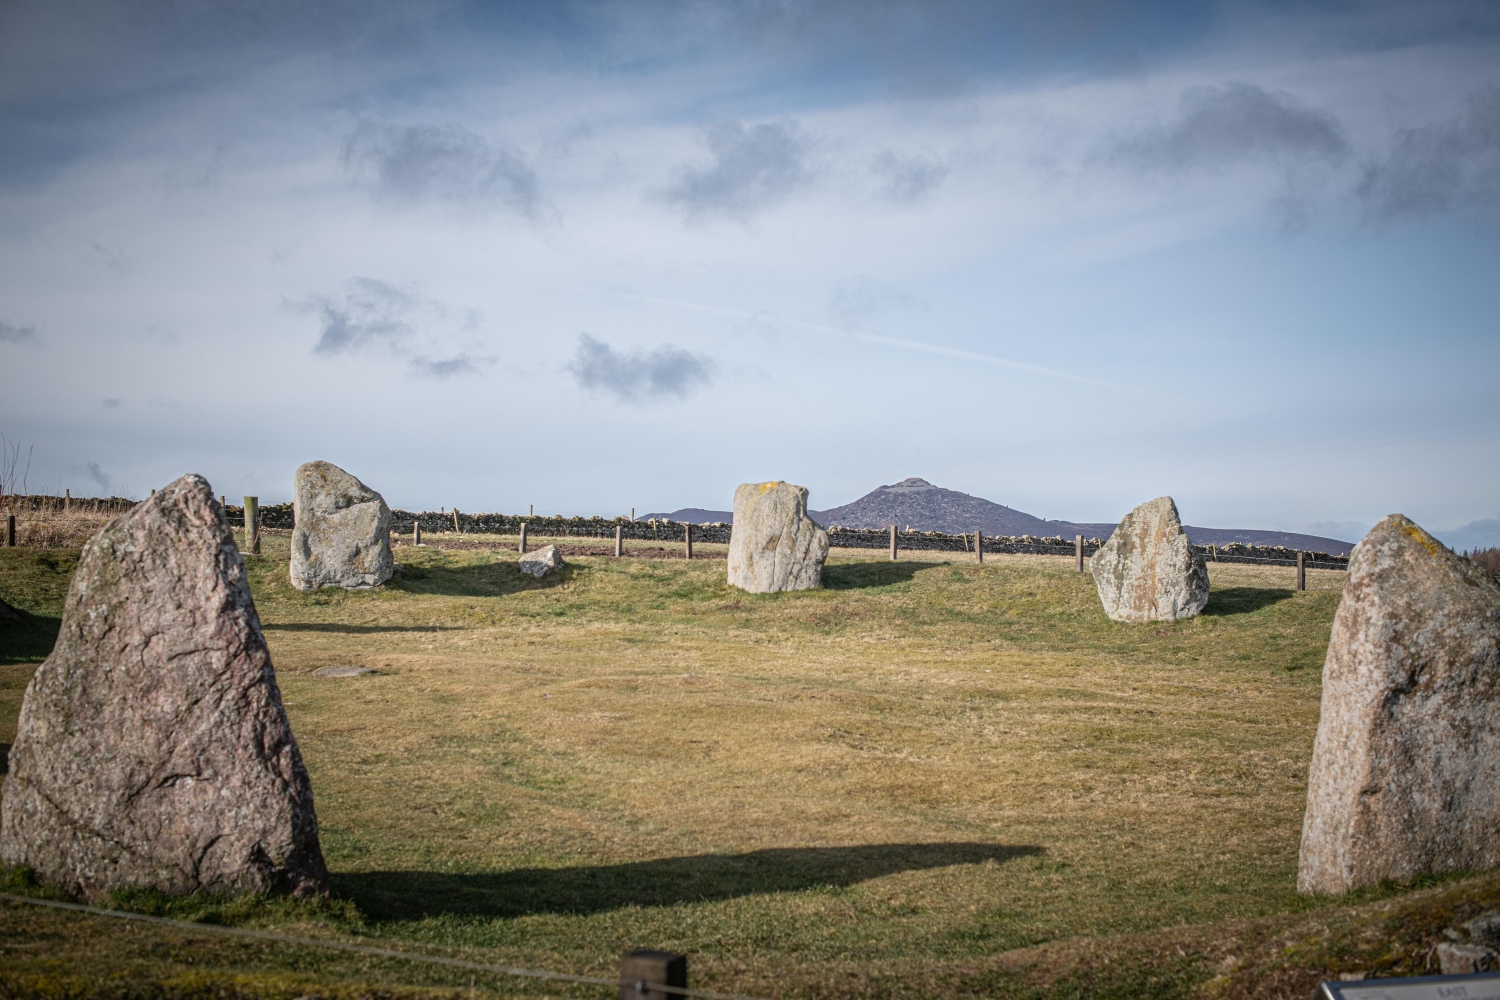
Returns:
point(373, 951)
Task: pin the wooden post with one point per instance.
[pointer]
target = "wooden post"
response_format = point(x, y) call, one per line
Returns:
point(532, 509)
point(1078, 551)
point(67, 500)
point(522, 549)
point(978, 546)
point(455, 520)
point(1301, 570)
point(632, 515)
point(893, 543)
point(619, 540)
point(416, 531)
point(10, 531)
point(687, 538)
point(643, 968)
point(252, 525)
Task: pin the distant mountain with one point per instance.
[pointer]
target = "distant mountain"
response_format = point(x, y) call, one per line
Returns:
point(926, 507)
point(917, 504)
point(1483, 534)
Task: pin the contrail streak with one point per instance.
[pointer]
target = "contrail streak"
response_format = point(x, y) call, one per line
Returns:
point(873, 338)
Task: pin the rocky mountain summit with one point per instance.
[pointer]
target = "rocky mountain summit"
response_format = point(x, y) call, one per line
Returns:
point(927, 507)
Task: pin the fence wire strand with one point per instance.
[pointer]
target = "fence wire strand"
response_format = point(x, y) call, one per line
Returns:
point(373, 950)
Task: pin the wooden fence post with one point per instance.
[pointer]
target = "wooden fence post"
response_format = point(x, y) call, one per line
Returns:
point(523, 538)
point(1078, 551)
point(978, 545)
point(67, 500)
point(893, 543)
point(252, 525)
point(1301, 570)
point(416, 531)
point(619, 540)
point(643, 968)
point(10, 531)
point(687, 538)
point(455, 521)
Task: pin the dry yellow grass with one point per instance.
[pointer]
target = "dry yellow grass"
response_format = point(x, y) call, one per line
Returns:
point(877, 788)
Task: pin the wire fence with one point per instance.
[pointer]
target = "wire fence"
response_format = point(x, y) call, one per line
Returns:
point(282, 516)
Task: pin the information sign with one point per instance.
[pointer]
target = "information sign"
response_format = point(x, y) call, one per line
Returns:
point(1477, 986)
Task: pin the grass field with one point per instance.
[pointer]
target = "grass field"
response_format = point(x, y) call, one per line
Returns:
point(929, 777)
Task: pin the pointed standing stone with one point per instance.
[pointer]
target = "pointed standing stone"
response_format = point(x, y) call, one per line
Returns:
point(1405, 776)
point(1147, 570)
point(152, 748)
point(773, 544)
point(342, 536)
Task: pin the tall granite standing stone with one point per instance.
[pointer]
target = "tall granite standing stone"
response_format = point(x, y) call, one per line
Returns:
point(1147, 571)
point(152, 749)
point(342, 536)
point(773, 544)
point(1405, 776)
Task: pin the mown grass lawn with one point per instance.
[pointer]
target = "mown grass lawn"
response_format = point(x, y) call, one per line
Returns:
point(879, 788)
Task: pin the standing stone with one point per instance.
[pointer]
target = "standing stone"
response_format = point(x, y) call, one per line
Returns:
point(539, 562)
point(152, 749)
point(1147, 571)
point(773, 544)
point(342, 536)
point(1405, 776)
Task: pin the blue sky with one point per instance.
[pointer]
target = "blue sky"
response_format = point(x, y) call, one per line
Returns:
point(601, 256)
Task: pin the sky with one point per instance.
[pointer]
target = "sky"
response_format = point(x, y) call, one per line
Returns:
point(600, 256)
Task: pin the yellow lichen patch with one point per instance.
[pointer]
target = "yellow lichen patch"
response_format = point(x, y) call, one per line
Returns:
point(1432, 545)
point(767, 487)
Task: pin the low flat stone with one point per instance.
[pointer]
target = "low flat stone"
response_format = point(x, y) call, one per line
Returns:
point(342, 534)
point(773, 545)
point(342, 672)
point(1460, 959)
point(1147, 571)
point(1405, 775)
point(1485, 928)
point(541, 561)
point(152, 749)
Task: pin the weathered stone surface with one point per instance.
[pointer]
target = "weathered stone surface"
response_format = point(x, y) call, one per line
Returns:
point(342, 536)
point(1147, 570)
point(1461, 959)
point(540, 561)
point(1405, 776)
point(774, 545)
point(152, 749)
point(1485, 928)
